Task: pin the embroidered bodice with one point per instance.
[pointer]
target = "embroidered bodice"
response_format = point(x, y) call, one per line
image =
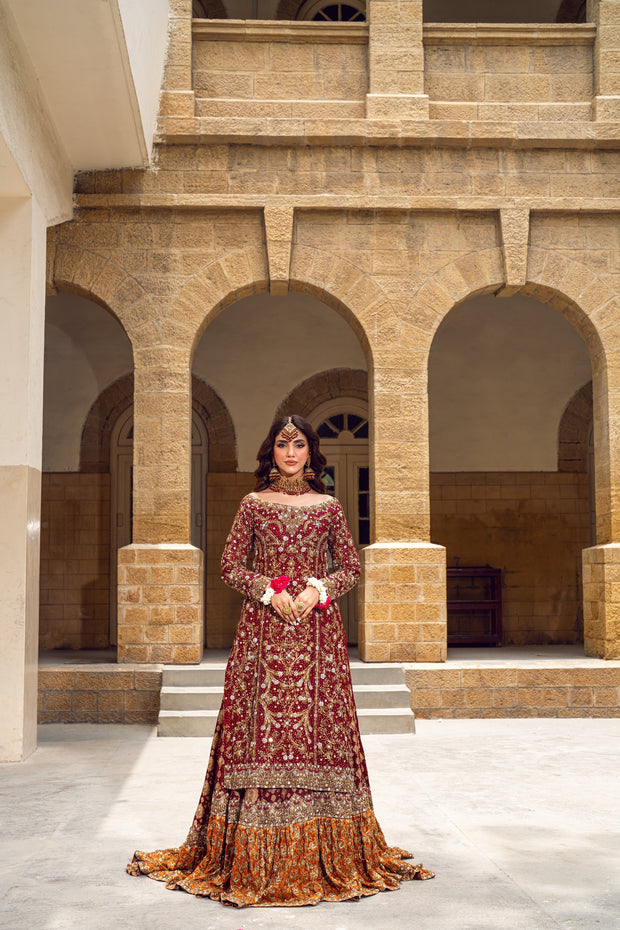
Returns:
point(293, 540)
point(288, 700)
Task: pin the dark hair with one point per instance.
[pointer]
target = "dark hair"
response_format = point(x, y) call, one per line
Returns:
point(265, 453)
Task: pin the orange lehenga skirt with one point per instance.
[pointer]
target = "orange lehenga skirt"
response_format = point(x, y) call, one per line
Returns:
point(279, 846)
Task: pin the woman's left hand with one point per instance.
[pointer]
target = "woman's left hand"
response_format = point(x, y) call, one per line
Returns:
point(306, 602)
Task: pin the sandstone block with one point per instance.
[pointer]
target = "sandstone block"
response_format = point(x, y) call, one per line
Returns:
point(187, 654)
point(55, 680)
point(133, 653)
point(375, 652)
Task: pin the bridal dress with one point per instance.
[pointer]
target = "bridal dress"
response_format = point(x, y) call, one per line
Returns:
point(285, 816)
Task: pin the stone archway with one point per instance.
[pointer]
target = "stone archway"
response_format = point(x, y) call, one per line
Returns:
point(575, 427)
point(327, 385)
point(496, 399)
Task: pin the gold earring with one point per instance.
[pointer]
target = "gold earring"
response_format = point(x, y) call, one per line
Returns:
point(308, 472)
point(274, 473)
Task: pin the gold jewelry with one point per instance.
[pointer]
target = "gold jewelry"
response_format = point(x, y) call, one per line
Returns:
point(289, 485)
point(308, 472)
point(299, 605)
point(274, 471)
point(286, 609)
point(289, 431)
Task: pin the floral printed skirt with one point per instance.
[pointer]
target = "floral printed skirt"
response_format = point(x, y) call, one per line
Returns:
point(280, 846)
point(322, 859)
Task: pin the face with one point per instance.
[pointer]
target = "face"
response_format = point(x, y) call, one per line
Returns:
point(291, 455)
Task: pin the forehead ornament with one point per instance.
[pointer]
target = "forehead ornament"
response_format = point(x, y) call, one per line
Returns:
point(289, 431)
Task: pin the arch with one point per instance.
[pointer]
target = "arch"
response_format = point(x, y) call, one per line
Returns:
point(100, 422)
point(216, 286)
point(118, 397)
point(98, 278)
point(567, 285)
point(220, 430)
point(322, 387)
point(575, 430)
point(208, 9)
point(572, 11)
point(243, 273)
point(288, 9)
point(305, 9)
point(582, 297)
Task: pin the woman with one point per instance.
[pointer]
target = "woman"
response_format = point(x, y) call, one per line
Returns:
point(285, 816)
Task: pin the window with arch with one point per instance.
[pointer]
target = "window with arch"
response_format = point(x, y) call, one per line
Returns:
point(353, 11)
point(344, 438)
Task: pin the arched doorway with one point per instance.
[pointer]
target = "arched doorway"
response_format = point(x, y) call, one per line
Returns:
point(342, 426)
point(88, 383)
point(258, 354)
point(500, 496)
point(121, 493)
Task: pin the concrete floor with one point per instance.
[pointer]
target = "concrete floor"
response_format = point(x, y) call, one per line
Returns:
point(520, 819)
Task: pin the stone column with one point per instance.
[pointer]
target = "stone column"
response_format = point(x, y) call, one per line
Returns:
point(601, 601)
point(606, 15)
point(395, 61)
point(177, 96)
point(601, 563)
point(403, 591)
point(22, 310)
point(160, 580)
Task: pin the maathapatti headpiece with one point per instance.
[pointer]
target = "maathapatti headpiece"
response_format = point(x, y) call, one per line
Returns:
point(290, 431)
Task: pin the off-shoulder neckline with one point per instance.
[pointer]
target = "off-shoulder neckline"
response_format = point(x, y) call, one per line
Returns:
point(262, 500)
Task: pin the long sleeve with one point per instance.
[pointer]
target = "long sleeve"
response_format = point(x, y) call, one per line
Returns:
point(345, 561)
point(235, 572)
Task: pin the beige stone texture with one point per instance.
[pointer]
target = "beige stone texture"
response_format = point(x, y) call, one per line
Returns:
point(146, 632)
point(421, 165)
point(410, 637)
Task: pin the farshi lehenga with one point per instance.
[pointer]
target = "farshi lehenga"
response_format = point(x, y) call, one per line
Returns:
point(285, 816)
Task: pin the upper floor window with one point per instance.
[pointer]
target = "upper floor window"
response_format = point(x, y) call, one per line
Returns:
point(353, 11)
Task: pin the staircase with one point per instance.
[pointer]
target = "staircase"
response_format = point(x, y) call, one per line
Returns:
point(191, 696)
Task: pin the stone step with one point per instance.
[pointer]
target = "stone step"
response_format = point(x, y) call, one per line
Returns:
point(190, 676)
point(193, 676)
point(191, 696)
point(186, 722)
point(196, 698)
point(210, 697)
point(202, 722)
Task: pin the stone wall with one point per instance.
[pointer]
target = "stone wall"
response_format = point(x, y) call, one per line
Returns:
point(101, 694)
point(491, 72)
point(389, 217)
point(515, 692)
point(255, 69)
point(75, 561)
point(532, 525)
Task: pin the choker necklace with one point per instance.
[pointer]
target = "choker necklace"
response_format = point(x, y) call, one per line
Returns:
point(289, 485)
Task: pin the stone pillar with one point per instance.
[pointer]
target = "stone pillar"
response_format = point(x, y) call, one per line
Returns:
point(606, 15)
point(403, 603)
point(601, 601)
point(403, 591)
point(22, 310)
point(161, 579)
point(177, 96)
point(395, 61)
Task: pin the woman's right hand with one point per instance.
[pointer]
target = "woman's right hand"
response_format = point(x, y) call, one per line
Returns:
point(284, 606)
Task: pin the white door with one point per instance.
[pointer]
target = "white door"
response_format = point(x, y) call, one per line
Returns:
point(342, 426)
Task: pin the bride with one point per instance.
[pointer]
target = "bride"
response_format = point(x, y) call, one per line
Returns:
point(285, 815)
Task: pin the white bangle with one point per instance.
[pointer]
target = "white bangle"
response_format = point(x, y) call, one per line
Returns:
point(320, 587)
point(268, 594)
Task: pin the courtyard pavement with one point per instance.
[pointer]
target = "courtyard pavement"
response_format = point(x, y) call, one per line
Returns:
point(519, 818)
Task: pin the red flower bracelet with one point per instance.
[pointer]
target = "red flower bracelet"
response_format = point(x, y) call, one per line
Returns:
point(279, 584)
